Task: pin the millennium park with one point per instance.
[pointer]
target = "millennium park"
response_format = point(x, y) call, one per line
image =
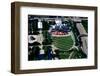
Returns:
point(57, 37)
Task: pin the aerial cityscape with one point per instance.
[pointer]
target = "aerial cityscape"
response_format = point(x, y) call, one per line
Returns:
point(57, 37)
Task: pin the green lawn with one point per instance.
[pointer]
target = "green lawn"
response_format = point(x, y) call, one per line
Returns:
point(63, 43)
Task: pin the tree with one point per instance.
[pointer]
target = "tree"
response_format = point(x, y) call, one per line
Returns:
point(47, 38)
point(46, 25)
